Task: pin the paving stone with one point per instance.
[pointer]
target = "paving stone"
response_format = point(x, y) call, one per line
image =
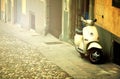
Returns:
point(18, 60)
point(24, 56)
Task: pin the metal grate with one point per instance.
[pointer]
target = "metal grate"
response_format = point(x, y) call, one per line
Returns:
point(52, 43)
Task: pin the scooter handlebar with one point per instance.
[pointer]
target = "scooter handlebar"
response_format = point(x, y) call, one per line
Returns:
point(88, 21)
point(82, 19)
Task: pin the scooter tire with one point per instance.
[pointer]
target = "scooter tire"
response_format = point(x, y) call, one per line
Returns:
point(95, 55)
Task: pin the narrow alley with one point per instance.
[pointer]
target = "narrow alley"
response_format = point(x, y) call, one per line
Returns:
point(21, 60)
point(28, 55)
point(37, 39)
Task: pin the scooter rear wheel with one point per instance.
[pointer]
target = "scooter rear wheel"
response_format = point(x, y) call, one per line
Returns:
point(95, 55)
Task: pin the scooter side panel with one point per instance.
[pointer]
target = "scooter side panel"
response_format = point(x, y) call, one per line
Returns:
point(77, 39)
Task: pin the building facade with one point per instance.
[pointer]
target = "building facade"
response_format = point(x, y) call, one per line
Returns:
point(108, 22)
point(62, 17)
point(29, 14)
point(39, 15)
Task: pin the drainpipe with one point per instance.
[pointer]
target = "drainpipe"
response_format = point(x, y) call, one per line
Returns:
point(91, 9)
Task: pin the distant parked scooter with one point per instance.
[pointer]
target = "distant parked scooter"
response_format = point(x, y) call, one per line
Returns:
point(87, 42)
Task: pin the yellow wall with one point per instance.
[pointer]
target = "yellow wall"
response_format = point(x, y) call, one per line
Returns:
point(111, 16)
point(12, 2)
point(24, 6)
point(3, 5)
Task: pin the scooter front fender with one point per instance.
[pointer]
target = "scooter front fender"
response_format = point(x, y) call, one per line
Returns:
point(94, 45)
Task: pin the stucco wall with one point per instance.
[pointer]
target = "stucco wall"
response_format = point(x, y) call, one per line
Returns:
point(55, 17)
point(37, 8)
point(108, 21)
point(2, 9)
point(108, 17)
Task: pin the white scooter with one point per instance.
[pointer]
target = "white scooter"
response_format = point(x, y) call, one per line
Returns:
point(87, 42)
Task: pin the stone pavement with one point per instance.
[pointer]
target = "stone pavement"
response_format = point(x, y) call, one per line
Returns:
point(28, 55)
point(20, 60)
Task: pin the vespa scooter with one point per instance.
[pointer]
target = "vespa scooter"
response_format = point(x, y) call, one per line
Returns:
point(87, 42)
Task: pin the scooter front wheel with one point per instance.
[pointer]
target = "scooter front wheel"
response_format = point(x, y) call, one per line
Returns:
point(95, 55)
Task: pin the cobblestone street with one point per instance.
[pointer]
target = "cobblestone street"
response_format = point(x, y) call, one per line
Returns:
point(18, 60)
point(28, 55)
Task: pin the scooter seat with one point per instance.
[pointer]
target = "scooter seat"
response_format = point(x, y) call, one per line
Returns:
point(77, 31)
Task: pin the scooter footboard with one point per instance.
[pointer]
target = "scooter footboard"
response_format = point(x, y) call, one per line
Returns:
point(94, 45)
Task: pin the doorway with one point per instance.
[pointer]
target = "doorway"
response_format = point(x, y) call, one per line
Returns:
point(17, 11)
point(54, 17)
point(116, 53)
point(32, 21)
point(78, 8)
point(86, 9)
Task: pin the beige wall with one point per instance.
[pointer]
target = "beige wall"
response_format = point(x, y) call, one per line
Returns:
point(36, 8)
point(108, 17)
point(24, 6)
